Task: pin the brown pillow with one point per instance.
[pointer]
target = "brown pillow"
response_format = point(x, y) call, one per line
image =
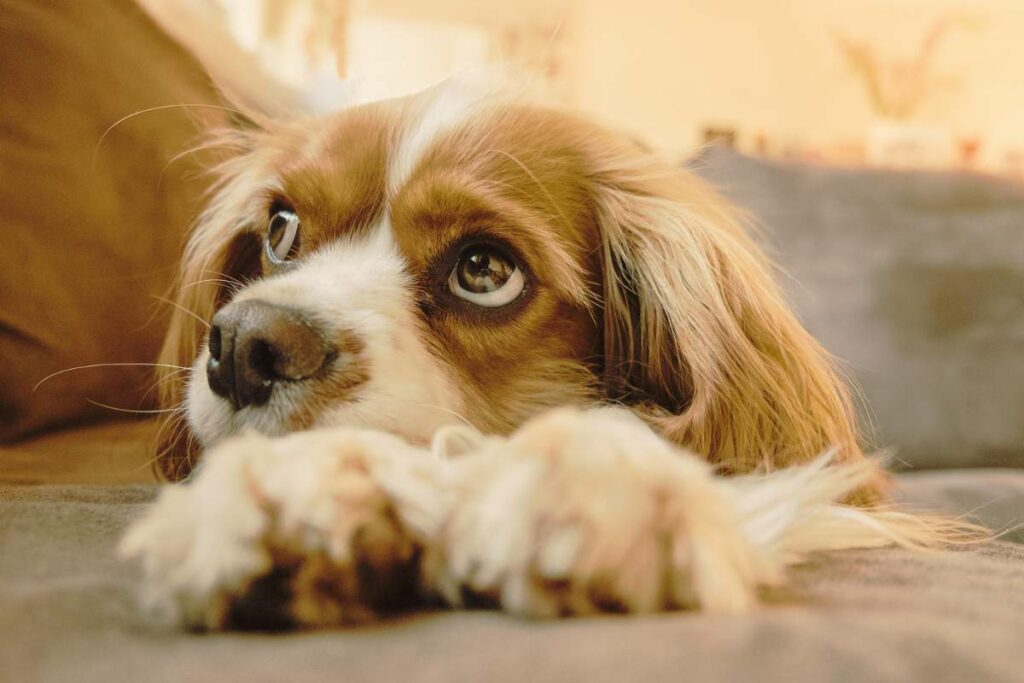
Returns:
point(92, 231)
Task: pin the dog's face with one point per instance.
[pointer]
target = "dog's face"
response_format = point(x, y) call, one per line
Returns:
point(446, 257)
point(413, 264)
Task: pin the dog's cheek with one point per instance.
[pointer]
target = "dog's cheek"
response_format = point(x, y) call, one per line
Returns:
point(409, 393)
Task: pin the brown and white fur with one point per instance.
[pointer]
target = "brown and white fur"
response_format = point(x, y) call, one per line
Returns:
point(639, 428)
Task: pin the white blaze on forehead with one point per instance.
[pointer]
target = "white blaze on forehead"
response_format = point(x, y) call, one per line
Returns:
point(439, 110)
point(359, 272)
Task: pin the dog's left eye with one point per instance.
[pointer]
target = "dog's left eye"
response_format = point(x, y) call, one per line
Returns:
point(486, 277)
point(282, 236)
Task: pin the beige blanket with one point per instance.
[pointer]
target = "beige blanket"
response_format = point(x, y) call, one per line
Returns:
point(68, 613)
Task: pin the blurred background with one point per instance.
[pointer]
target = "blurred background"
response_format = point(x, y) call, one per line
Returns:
point(898, 83)
point(878, 144)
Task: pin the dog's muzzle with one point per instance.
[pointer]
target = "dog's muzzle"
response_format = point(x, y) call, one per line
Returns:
point(255, 345)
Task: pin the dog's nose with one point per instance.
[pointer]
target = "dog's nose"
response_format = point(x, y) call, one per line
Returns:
point(254, 344)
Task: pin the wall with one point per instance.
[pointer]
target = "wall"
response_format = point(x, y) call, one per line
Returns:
point(667, 69)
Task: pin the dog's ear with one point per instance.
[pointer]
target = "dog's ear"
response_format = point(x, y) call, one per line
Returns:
point(697, 335)
point(222, 254)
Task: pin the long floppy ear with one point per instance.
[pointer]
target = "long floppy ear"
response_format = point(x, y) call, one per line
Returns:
point(696, 332)
point(220, 256)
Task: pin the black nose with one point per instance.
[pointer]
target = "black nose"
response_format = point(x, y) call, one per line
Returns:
point(254, 344)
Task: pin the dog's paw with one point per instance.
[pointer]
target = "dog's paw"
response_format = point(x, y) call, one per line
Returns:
point(581, 512)
point(283, 532)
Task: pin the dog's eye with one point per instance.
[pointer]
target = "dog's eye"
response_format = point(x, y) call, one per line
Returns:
point(282, 236)
point(486, 277)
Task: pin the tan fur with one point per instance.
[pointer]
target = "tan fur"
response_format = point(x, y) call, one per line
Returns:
point(576, 512)
point(688, 474)
point(695, 321)
point(649, 291)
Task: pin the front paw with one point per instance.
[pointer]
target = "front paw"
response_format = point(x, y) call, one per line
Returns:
point(280, 533)
point(581, 512)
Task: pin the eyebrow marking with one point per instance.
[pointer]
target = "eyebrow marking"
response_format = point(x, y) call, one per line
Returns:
point(451, 105)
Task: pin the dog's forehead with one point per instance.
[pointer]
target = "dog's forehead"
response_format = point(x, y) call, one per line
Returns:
point(374, 147)
point(347, 165)
point(336, 172)
point(434, 169)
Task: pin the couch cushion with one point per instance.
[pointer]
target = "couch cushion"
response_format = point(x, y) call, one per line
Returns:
point(92, 232)
point(916, 281)
point(68, 612)
point(119, 452)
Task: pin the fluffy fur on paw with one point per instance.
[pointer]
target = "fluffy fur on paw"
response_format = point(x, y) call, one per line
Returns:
point(580, 512)
point(576, 512)
point(585, 511)
point(288, 532)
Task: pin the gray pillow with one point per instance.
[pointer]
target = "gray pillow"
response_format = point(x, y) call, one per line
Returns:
point(916, 281)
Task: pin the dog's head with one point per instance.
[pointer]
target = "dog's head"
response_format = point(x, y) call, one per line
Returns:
point(449, 257)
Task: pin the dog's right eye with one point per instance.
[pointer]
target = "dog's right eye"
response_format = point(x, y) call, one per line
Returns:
point(282, 236)
point(486, 276)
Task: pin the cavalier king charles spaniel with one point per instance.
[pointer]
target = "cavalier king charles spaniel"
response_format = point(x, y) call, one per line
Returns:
point(459, 348)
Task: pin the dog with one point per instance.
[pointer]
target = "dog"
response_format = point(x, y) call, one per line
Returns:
point(461, 348)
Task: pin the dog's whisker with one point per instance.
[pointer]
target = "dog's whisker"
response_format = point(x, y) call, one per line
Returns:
point(171, 420)
point(106, 365)
point(172, 375)
point(182, 309)
point(115, 124)
point(180, 155)
point(217, 280)
point(131, 410)
point(174, 420)
point(230, 278)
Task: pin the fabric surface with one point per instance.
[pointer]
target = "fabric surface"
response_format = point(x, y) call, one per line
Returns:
point(916, 281)
point(92, 231)
point(108, 453)
point(68, 612)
